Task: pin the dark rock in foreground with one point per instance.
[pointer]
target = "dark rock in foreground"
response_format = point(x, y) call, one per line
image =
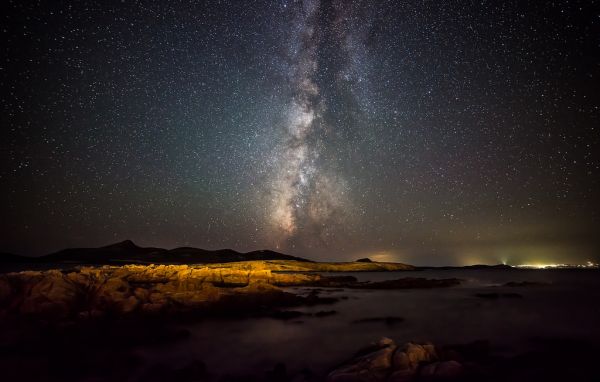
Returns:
point(389, 362)
point(552, 360)
point(385, 361)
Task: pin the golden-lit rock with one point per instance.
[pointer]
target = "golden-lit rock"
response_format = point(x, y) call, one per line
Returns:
point(50, 293)
point(411, 355)
point(155, 288)
point(128, 304)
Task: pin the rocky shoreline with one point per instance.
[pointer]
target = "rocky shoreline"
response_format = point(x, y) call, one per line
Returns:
point(88, 314)
point(90, 322)
point(86, 292)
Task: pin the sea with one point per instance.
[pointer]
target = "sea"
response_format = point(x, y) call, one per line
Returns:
point(562, 307)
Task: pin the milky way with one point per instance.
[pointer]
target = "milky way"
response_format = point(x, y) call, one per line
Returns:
point(430, 132)
point(306, 199)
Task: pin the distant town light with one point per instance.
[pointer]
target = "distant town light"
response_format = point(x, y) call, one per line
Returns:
point(588, 264)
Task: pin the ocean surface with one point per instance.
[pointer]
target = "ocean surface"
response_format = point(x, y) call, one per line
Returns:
point(566, 308)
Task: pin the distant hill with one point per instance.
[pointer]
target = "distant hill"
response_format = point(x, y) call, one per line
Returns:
point(9, 258)
point(484, 266)
point(127, 252)
point(475, 266)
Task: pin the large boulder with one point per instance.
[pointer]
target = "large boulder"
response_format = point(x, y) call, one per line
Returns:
point(411, 355)
point(115, 294)
point(373, 366)
point(384, 361)
point(53, 295)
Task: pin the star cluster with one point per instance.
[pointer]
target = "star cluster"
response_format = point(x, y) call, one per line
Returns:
point(427, 132)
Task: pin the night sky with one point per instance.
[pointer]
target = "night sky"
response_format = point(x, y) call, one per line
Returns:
point(428, 132)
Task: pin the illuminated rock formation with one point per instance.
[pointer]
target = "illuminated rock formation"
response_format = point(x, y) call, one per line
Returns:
point(96, 291)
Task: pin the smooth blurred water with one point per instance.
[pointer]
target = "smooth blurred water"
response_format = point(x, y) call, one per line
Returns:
point(567, 308)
